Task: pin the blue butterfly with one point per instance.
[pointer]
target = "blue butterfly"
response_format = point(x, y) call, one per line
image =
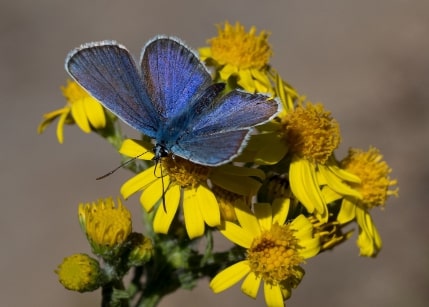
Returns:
point(172, 99)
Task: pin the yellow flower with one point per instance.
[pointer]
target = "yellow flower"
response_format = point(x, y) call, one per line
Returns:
point(375, 187)
point(81, 108)
point(243, 55)
point(312, 135)
point(374, 173)
point(311, 132)
point(275, 251)
point(79, 272)
point(106, 226)
point(175, 180)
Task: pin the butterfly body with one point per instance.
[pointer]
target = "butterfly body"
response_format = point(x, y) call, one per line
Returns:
point(170, 98)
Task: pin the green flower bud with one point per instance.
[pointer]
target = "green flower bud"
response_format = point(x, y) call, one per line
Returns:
point(141, 249)
point(80, 272)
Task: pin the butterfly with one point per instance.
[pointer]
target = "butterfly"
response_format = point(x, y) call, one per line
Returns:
point(170, 98)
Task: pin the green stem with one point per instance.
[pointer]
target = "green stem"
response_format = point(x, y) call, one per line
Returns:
point(151, 300)
point(110, 297)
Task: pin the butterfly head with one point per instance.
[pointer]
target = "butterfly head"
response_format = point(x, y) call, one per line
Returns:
point(160, 151)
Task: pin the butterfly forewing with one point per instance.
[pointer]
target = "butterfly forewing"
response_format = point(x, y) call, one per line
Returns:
point(173, 76)
point(107, 71)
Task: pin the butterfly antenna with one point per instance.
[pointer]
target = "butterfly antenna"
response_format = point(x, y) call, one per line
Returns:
point(163, 191)
point(120, 166)
point(157, 162)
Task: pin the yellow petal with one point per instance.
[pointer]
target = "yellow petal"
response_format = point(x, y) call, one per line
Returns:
point(230, 276)
point(79, 115)
point(60, 127)
point(163, 218)
point(135, 148)
point(49, 117)
point(94, 112)
point(273, 295)
point(138, 182)
point(263, 80)
point(304, 186)
point(247, 220)
point(204, 53)
point(251, 285)
point(246, 81)
point(209, 206)
point(369, 240)
point(330, 195)
point(280, 210)
point(264, 215)
point(341, 173)
point(336, 183)
point(286, 93)
point(229, 169)
point(237, 235)
point(310, 244)
point(347, 211)
point(303, 227)
point(287, 293)
point(227, 71)
point(153, 193)
point(263, 88)
point(273, 151)
point(304, 232)
point(311, 247)
point(194, 221)
point(237, 179)
point(264, 148)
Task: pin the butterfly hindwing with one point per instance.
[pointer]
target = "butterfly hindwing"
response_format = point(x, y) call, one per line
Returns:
point(108, 72)
point(234, 111)
point(213, 149)
point(219, 134)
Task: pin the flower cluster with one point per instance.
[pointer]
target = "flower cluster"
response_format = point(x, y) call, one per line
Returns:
point(284, 199)
point(108, 229)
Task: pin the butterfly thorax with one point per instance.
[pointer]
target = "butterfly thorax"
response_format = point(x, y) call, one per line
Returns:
point(169, 134)
point(160, 151)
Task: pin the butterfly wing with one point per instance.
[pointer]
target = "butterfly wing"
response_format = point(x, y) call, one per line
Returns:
point(173, 76)
point(108, 72)
point(218, 135)
point(234, 111)
point(211, 149)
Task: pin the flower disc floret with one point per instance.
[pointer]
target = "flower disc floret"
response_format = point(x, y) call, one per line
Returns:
point(184, 172)
point(274, 256)
point(374, 173)
point(311, 132)
point(242, 49)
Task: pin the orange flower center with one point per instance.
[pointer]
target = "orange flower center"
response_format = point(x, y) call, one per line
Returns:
point(274, 255)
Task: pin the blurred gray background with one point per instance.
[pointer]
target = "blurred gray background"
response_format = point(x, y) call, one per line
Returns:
point(367, 61)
